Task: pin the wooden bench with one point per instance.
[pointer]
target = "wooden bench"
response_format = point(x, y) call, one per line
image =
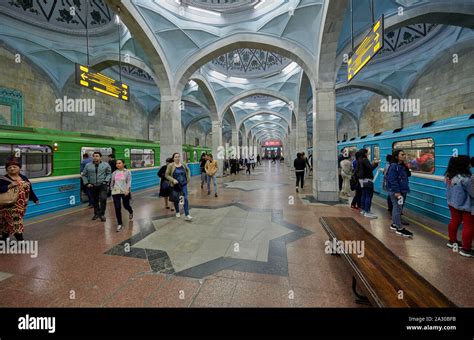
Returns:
point(385, 280)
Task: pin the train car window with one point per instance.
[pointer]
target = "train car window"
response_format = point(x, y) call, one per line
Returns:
point(142, 158)
point(377, 151)
point(349, 150)
point(369, 152)
point(36, 160)
point(91, 149)
point(420, 154)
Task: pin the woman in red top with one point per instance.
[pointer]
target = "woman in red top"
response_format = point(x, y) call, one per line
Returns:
point(11, 218)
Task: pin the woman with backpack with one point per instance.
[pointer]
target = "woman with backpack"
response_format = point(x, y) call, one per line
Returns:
point(165, 186)
point(364, 170)
point(179, 175)
point(460, 197)
point(11, 215)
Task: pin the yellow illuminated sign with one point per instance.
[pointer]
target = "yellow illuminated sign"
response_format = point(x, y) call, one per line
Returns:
point(369, 47)
point(101, 83)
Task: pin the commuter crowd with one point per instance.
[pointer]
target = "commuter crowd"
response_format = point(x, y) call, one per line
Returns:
point(356, 179)
point(356, 174)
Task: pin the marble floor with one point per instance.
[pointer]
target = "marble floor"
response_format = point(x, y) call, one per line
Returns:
point(258, 244)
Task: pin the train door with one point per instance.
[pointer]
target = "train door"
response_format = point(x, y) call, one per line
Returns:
point(470, 145)
point(90, 151)
point(374, 154)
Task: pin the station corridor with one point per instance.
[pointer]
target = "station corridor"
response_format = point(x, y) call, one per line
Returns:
point(258, 244)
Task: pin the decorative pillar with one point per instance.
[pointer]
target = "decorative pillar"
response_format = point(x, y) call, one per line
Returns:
point(325, 179)
point(171, 139)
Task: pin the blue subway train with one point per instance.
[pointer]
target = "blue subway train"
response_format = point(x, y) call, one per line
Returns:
point(428, 147)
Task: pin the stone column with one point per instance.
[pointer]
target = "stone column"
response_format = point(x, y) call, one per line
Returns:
point(301, 133)
point(235, 141)
point(293, 150)
point(325, 179)
point(217, 148)
point(171, 139)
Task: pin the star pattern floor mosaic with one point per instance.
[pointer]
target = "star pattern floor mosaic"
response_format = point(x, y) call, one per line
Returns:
point(231, 236)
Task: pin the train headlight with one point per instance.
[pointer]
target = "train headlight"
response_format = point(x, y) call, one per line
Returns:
point(55, 147)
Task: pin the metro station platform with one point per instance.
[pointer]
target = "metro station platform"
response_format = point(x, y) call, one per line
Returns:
point(258, 244)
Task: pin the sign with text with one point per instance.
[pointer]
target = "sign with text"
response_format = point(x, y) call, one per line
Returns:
point(101, 83)
point(369, 47)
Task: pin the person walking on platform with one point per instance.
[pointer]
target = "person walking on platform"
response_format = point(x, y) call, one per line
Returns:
point(355, 185)
point(460, 197)
point(96, 177)
point(364, 170)
point(346, 173)
point(202, 163)
point(248, 165)
point(165, 186)
point(258, 160)
point(120, 186)
point(299, 165)
point(86, 160)
point(306, 162)
point(179, 176)
point(233, 166)
point(252, 161)
point(388, 160)
point(211, 168)
point(340, 157)
point(11, 216)
point(398, 188)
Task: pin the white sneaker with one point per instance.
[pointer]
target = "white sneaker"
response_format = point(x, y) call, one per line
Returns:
point(119, 228)
point(178, 215)
point(362, 212)
point(370, 215)
point(188, 218)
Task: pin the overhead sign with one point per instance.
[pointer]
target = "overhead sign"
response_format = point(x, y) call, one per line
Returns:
point(101, 83)
point(369, 47)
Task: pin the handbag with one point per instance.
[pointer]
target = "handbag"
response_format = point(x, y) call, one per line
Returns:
point(175, 195)
point(10, 197)
point(165, 185)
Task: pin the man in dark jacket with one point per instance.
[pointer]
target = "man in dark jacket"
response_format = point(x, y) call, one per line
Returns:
point(364, 170)
point(398, 188)
point(112, 163)
point(202, 164)
point(300, 165)
point(96, 177)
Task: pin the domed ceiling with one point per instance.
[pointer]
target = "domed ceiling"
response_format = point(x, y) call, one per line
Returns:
point(246, 62)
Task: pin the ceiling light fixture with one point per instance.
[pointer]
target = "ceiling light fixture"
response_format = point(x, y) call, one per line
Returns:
point(259, 4)
point(204, 11)
point(289, 68)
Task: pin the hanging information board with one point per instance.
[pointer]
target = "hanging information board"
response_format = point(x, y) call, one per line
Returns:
point(369, 47)
point(101, 83)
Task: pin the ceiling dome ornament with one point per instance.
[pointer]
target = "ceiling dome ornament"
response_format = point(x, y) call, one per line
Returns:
point(222, 6)
point(249, 61)
point(61, 15)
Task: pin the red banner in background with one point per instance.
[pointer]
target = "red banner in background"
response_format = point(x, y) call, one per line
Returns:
point(272, 143)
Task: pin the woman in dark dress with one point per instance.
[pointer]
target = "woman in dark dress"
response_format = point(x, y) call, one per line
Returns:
point(11, 217)
point(165, 187)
